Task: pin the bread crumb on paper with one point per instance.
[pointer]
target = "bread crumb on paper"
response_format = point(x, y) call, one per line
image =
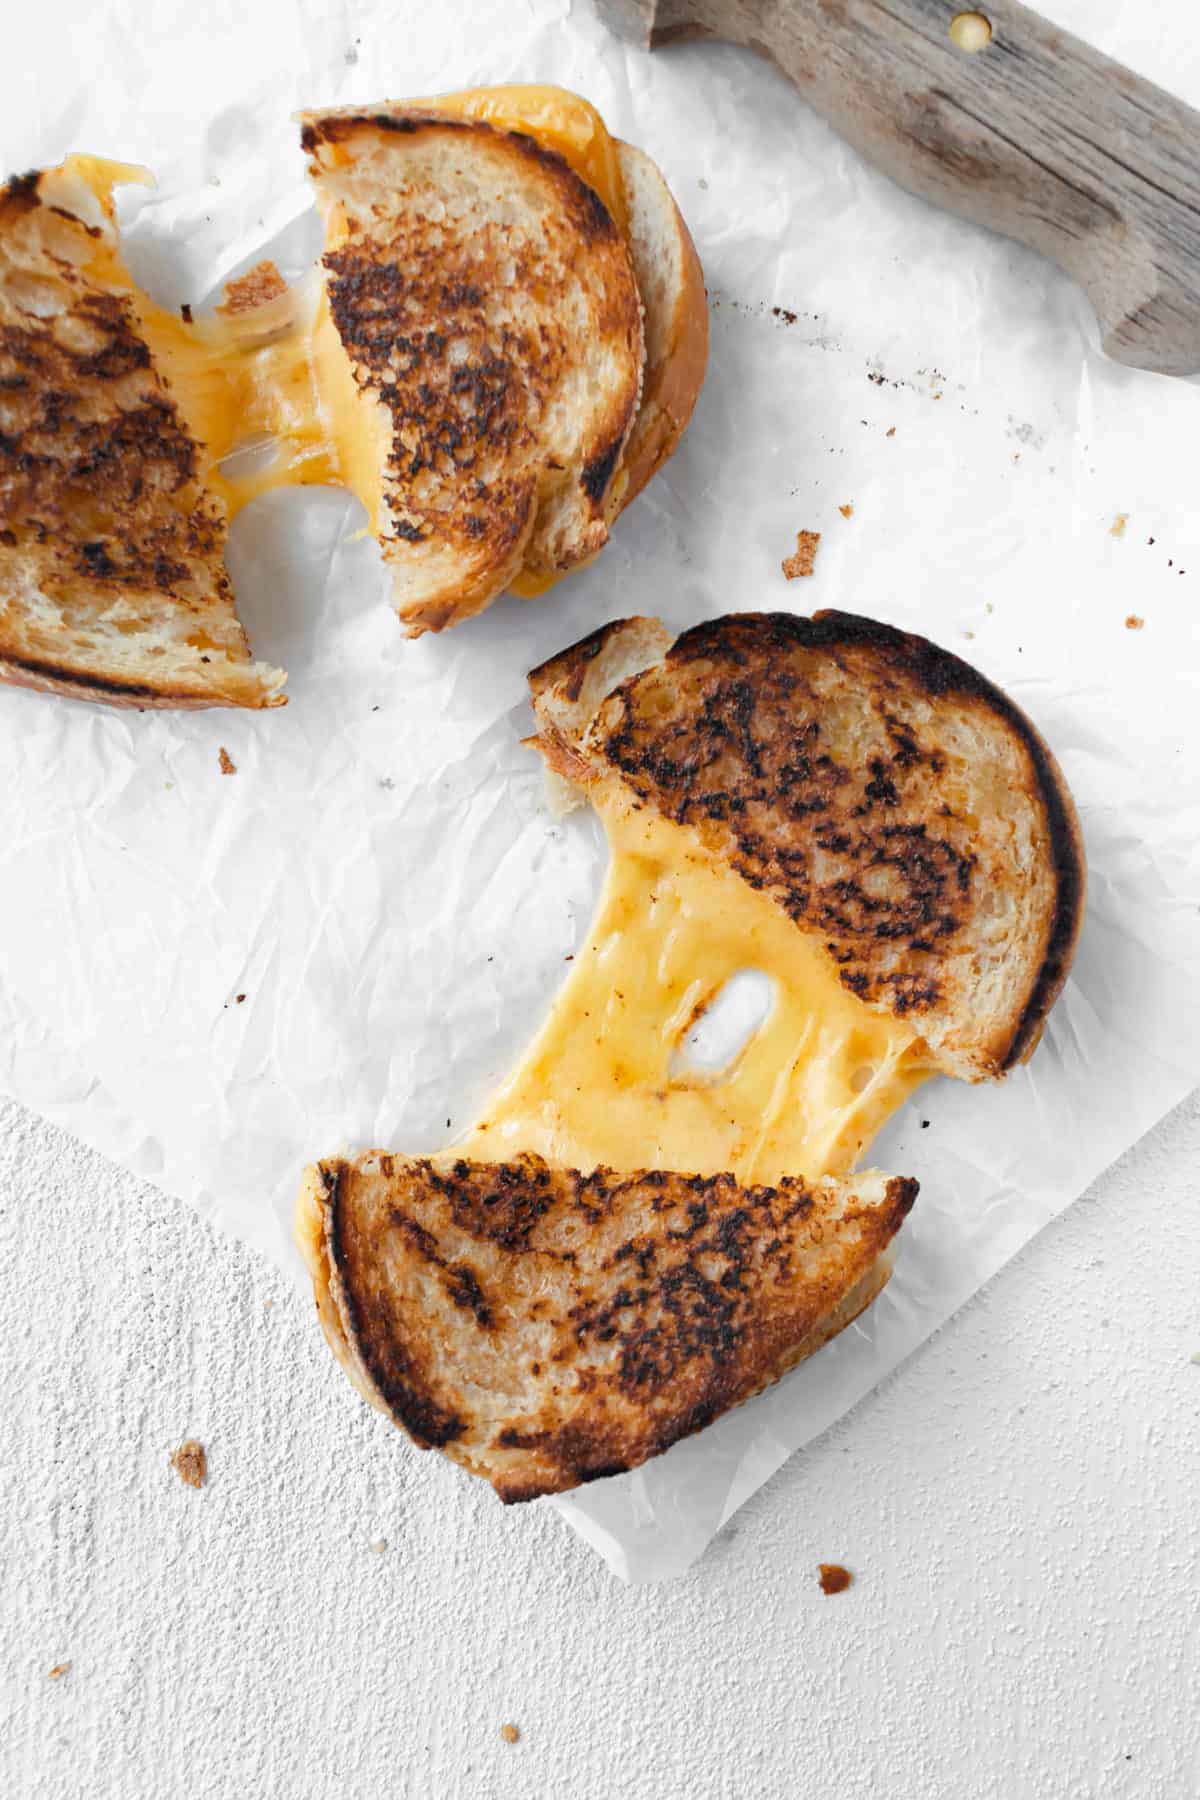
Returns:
point(190, 1463)
point(58, 1671)
point(1117, 528)
point(228, 766)
point(834, 1579)
point(847, 511)
point(509, 1733)
point(379, 1545)
point(802, 562)
point(1134, 622)
point(253, 289)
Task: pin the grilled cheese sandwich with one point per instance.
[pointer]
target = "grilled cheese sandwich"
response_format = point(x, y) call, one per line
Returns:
point(623, 1248)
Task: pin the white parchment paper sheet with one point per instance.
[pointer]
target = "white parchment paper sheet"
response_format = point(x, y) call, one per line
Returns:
point(381, 880)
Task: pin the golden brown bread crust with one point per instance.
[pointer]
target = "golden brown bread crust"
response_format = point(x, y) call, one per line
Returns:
point(471, 338)
point(546, 1328)
point(885, 794)
point(676, 345)
point(109, 534)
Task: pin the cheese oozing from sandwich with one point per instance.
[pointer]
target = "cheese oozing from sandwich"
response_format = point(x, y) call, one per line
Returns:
point(264, 384)
point(807, 1092)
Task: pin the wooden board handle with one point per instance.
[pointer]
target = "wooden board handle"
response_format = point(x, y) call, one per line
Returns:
point(1033, 133)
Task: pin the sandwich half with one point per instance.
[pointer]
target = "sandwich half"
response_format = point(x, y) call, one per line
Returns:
point(112, 532)
point(524, 314)
point(544, 1327)
point(627, 1243)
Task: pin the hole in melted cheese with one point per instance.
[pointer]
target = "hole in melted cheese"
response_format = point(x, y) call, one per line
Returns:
point(804, 1096)
point(726, 1023)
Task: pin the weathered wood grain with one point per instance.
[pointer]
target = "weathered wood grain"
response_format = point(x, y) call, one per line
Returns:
point(1037, 136)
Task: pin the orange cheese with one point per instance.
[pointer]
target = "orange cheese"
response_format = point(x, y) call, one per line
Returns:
point(268, 391)
point(805, 1095)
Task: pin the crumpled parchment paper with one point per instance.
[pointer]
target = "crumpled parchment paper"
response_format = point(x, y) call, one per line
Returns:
point(214, 978)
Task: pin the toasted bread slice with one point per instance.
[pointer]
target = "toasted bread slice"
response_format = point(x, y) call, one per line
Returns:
point(671, 283)
point(112, 575)
point(894, 803)
point(545, 1328)
point(487, 302)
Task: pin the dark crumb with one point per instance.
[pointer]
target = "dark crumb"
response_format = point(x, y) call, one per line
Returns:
point(447, 1124)
point(228, 766)
point(876, 378)
point(58, 1671)
point(509, 1733)
point(802, 562)
point(890, 432)
point(924, 1124)
point(781, 312)
point(190, 1463)
point(239, 998)
point(1149, 540)
point(1133, 622)
point(834, 1579)
point(185, 313)
point(570, 958)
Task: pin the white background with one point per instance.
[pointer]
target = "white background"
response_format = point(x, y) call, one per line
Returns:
point(1027, 1587)
point(1018, 1505)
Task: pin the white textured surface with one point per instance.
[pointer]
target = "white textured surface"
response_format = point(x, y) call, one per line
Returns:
point(1019, 1505)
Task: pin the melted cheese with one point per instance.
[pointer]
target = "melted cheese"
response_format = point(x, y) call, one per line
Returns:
point(268, 392)
point(805, 1095)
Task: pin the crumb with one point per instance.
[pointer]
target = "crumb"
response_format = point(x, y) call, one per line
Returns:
point(924, 1124)
point(890, 432)
point(190, 1463)
point(258, 285)
point(1016, 456)
point(509, 1733)
point(876, 378)
point(228, 766)
point(834, 1579)
point(988, 607)
point(938, 395)
point(802, 562)
point(782, 312)
point(379, 1545)
point(185, 313)
point(1133, 622)
point(1149, 540)
point(239, 998)
point(58, 1671)
point(447, 1124)
point(847, 511)
point(267, 1305)
point(1117, 528)
point(968, 634)
point(702, 183)
point(570, 957)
